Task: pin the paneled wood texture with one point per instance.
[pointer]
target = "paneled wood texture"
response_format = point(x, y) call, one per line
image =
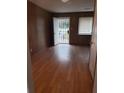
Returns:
point(30, 87)
point(93, 48)
point(62, 69)
point(75, 38)
point(93, 53)
point(39, 26)
point(95, 82)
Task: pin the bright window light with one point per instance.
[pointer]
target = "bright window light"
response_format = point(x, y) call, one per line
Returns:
point(85, 25)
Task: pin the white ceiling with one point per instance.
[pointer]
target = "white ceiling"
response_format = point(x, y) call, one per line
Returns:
point(70, 6)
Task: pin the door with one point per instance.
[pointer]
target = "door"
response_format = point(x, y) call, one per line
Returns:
point(61, 30)
point(93, 48)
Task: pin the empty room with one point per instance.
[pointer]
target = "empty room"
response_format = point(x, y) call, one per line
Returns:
point(62, 54)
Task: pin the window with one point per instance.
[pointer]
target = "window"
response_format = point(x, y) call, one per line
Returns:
point(85, 25)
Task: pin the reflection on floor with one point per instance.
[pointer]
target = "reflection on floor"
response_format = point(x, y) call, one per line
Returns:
point(62, 69)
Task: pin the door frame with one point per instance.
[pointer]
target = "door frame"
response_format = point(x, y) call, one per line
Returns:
point(54, 31)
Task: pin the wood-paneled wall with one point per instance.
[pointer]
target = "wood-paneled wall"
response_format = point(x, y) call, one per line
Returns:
point(39, 25)
point(93, 48)
point(75, 38)
point(40, 28)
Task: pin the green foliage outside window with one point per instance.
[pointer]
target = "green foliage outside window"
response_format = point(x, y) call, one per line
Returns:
point(64, 25)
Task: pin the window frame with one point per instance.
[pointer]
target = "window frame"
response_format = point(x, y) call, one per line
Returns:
point(90, 33)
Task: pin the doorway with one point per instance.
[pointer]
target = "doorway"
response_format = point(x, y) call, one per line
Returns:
point(61, 30)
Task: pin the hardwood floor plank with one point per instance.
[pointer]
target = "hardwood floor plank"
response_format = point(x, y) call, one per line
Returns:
point(62, 69)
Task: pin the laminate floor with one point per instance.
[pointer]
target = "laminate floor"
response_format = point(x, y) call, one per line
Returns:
point(62, 69)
